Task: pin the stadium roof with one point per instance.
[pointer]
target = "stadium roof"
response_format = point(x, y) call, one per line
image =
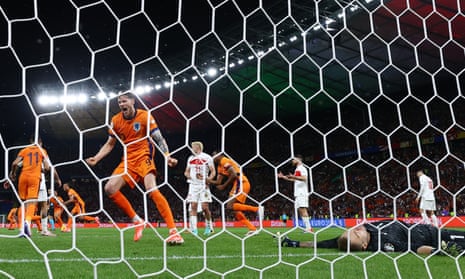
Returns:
point(308, 60)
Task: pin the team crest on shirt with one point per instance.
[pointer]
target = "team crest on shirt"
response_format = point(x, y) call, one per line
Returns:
point(136, 126)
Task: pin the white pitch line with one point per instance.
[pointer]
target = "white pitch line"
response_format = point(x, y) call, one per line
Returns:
point(161, 258)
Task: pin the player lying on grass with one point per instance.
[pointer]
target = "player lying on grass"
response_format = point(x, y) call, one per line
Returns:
point(391, 236)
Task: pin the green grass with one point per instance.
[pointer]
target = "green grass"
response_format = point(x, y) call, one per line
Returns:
point(107, 253)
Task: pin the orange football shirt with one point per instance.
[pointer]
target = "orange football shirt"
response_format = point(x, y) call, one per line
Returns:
point(133, 131)
point(77, 199)
point(33, 156)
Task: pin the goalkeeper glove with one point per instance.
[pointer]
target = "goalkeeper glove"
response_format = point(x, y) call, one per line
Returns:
point(452, 248)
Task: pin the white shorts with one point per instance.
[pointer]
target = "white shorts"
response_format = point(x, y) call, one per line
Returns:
point(301, 201)
point(42, 197)
point(427, 205)
point(199, 193)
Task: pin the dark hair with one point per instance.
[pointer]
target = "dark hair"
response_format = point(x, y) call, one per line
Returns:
point(128, 94)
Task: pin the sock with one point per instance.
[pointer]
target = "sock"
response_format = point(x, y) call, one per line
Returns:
point(36, 219)
point(52, 223)
point(435, 220)
point(208, 223)
point(20, 217)
point(241, 217)
point(122, 202)
point(193, 222)
point(244, 207)
point(306, 222)
point(164, 208)
point(30, 209)
point(44, 224)
point(28, 224)
point(425, 218)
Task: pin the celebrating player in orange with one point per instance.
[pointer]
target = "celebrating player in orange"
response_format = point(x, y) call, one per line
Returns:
point(134, 127)
point(31, 159)
point(239, 191)
point(78, 208)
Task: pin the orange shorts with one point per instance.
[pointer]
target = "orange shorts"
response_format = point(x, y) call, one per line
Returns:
point(136, 170)
point(240, 189)
point(28, 187)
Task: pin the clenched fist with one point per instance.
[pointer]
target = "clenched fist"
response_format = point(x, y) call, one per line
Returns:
point(172, 162)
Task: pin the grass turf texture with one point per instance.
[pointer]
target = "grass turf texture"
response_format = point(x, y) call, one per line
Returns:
point(99, 253)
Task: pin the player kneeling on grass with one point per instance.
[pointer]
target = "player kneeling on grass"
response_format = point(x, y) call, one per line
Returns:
point(391, 236)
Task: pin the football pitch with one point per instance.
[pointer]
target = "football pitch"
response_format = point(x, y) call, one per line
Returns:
point(107, 253)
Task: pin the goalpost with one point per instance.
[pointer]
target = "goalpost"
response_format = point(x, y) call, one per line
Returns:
point(368, 91)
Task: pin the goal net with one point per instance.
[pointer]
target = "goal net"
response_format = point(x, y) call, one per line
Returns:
point(367, 91)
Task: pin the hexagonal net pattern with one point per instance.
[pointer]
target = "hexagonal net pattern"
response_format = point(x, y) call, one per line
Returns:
point(368, 92)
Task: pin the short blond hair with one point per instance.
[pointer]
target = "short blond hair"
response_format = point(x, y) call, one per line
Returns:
point(199, 143)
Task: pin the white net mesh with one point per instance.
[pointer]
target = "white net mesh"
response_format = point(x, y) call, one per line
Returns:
point(368, 91)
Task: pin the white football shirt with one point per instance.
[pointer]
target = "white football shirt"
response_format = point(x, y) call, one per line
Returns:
point(300, 187)
point(199, 165)
point(426, 188)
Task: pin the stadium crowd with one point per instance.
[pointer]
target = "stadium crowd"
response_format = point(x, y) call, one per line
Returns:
point(381, 196)
point(377, 186)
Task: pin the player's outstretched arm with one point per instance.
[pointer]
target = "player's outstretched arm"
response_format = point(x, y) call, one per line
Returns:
point(295, 177)
point(70, 200)
point(49, 167)
point(283, 176)
point(216, 181)
point(103, 152)
point(57, 177)
point(163, 145)
point(291, 177)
